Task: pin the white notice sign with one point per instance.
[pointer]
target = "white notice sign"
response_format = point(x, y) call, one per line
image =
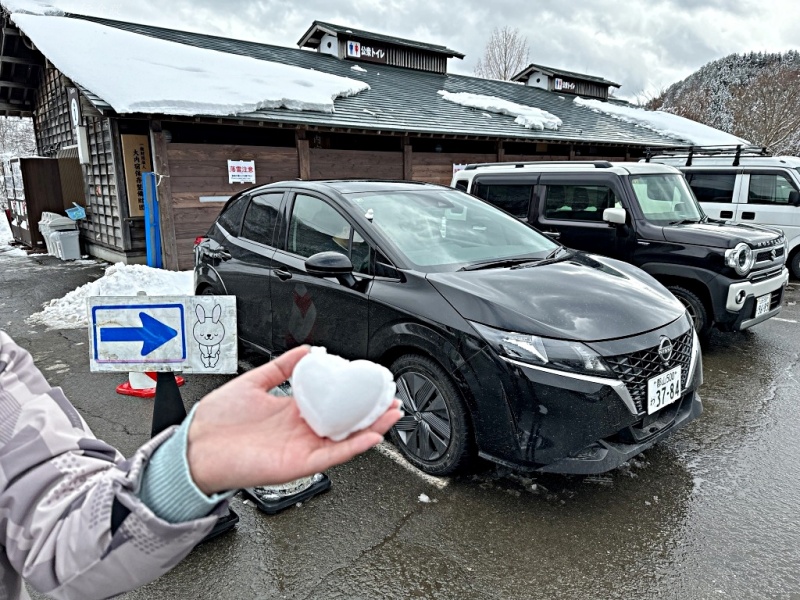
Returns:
point(241, 171)
point(189, 334)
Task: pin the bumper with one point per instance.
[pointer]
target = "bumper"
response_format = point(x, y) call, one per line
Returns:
point(575, 423)
point(605, 455)
point(736, 316)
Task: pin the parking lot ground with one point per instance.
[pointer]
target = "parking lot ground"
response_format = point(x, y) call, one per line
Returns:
point(708, 513)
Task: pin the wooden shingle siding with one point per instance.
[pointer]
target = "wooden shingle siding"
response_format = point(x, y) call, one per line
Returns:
point(202, 170)
point(346, 164)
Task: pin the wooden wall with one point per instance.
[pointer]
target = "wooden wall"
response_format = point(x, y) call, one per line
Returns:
point(344, 164)
point(202, 170)
point(437, 167)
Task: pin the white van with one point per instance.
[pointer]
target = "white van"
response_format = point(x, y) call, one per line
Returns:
point(744, 185)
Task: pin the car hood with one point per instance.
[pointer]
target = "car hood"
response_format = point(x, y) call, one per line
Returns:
point(720, 234)
point(584, 298)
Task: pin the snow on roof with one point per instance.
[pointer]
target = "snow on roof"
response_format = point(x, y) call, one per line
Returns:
point(33, 7)
point(664, 123)
point(140, 74)
point(527, 116)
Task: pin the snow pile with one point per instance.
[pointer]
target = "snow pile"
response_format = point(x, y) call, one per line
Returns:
point(32, 7)
point(6, 238)
point(527, 116)
point(358, 68)
point(664, 123)
point(139, 74)
point(70, 311)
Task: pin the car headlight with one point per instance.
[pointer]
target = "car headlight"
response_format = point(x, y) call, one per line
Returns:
point(545, 352)
point(740, 258)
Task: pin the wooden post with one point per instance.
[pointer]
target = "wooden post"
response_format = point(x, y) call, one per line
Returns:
point(571, 152)
point(408, 159)
point(501, 152)
point(303, 154)
point(169, 242)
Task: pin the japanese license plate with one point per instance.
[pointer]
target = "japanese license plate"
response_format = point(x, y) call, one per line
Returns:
point(762, 304)
point(663, 389)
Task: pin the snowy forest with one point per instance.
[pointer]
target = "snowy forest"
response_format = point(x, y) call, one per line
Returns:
point(755, 96)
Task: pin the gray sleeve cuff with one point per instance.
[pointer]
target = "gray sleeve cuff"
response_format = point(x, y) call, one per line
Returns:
point(167, 486)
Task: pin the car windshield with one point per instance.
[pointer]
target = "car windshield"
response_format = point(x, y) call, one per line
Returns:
point(441, 230)
point(666, 199)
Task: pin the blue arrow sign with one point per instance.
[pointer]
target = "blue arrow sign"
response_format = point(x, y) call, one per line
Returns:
point(153, 334)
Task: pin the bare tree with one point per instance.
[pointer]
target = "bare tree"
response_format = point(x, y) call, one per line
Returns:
point(505, 55)
point(766, 111)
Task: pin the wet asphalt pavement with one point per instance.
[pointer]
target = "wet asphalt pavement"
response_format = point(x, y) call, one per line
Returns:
point(709, 513)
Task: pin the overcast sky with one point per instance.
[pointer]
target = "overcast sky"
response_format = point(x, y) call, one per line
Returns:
point(643, 45)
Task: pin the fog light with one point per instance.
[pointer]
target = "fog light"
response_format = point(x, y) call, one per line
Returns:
point(740, 296)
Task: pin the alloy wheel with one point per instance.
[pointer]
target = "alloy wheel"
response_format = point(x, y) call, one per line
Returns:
point(425, 429)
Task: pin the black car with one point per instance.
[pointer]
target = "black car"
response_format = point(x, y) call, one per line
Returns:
point(505, 344)
point(730, 275)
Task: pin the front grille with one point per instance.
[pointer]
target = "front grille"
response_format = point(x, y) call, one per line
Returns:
point(767, 256)
point(636, 368)
point(775, 299)
point(766, 274)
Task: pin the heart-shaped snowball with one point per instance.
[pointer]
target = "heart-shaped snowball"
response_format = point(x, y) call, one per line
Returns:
point(337, 397)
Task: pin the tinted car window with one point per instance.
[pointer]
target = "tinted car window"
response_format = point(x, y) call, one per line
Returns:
point(578, 202)
point(231, 216)
point(713, 187)
point(261, 218)
point(514, 199)
point(769, 188)
point(316, 226)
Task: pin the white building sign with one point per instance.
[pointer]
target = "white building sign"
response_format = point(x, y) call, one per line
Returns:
point(241, 171)
point(189, 334)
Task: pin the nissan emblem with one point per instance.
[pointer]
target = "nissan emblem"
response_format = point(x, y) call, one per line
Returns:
point(665, 349)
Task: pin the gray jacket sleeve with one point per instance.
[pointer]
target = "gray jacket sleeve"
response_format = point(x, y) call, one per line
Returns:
point(58, 484)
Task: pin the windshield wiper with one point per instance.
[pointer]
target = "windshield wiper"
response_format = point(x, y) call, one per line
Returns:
point(496, 264)
point(552, 257)
point(685, 221)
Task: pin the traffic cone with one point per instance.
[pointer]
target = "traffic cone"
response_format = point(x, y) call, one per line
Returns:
point(142, 385)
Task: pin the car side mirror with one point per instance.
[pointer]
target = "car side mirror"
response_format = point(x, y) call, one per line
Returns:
point(615, 216)
point(331, 264)
point(794, 198)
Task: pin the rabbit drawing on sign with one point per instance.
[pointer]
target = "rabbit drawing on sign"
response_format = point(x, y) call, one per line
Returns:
point(208, 333)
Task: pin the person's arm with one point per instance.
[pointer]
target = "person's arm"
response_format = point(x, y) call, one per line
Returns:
point(58, 488)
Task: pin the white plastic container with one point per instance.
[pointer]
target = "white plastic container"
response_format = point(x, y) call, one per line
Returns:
point(66, 244)
point(52, 222)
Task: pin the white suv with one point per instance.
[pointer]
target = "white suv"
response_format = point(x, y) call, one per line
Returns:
point(744, 185)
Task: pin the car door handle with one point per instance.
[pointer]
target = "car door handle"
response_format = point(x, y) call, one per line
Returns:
point(553, 234)
point(726, 214)
point(748, 215)
point(283, 274)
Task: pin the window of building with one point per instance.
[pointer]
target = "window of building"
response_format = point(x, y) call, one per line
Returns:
point(713, 187)
point(261, 218)
point(578, 202)
point(769, 188)
point(514, 199)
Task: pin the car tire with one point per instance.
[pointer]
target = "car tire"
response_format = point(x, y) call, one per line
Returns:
point(794, 264)
point(696, 309)
point(435, 433)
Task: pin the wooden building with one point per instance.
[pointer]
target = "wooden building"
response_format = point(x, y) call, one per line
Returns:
point(400, 128)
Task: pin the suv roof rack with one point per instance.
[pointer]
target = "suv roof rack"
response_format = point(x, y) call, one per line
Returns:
point(691, 151)
point(598, 164)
